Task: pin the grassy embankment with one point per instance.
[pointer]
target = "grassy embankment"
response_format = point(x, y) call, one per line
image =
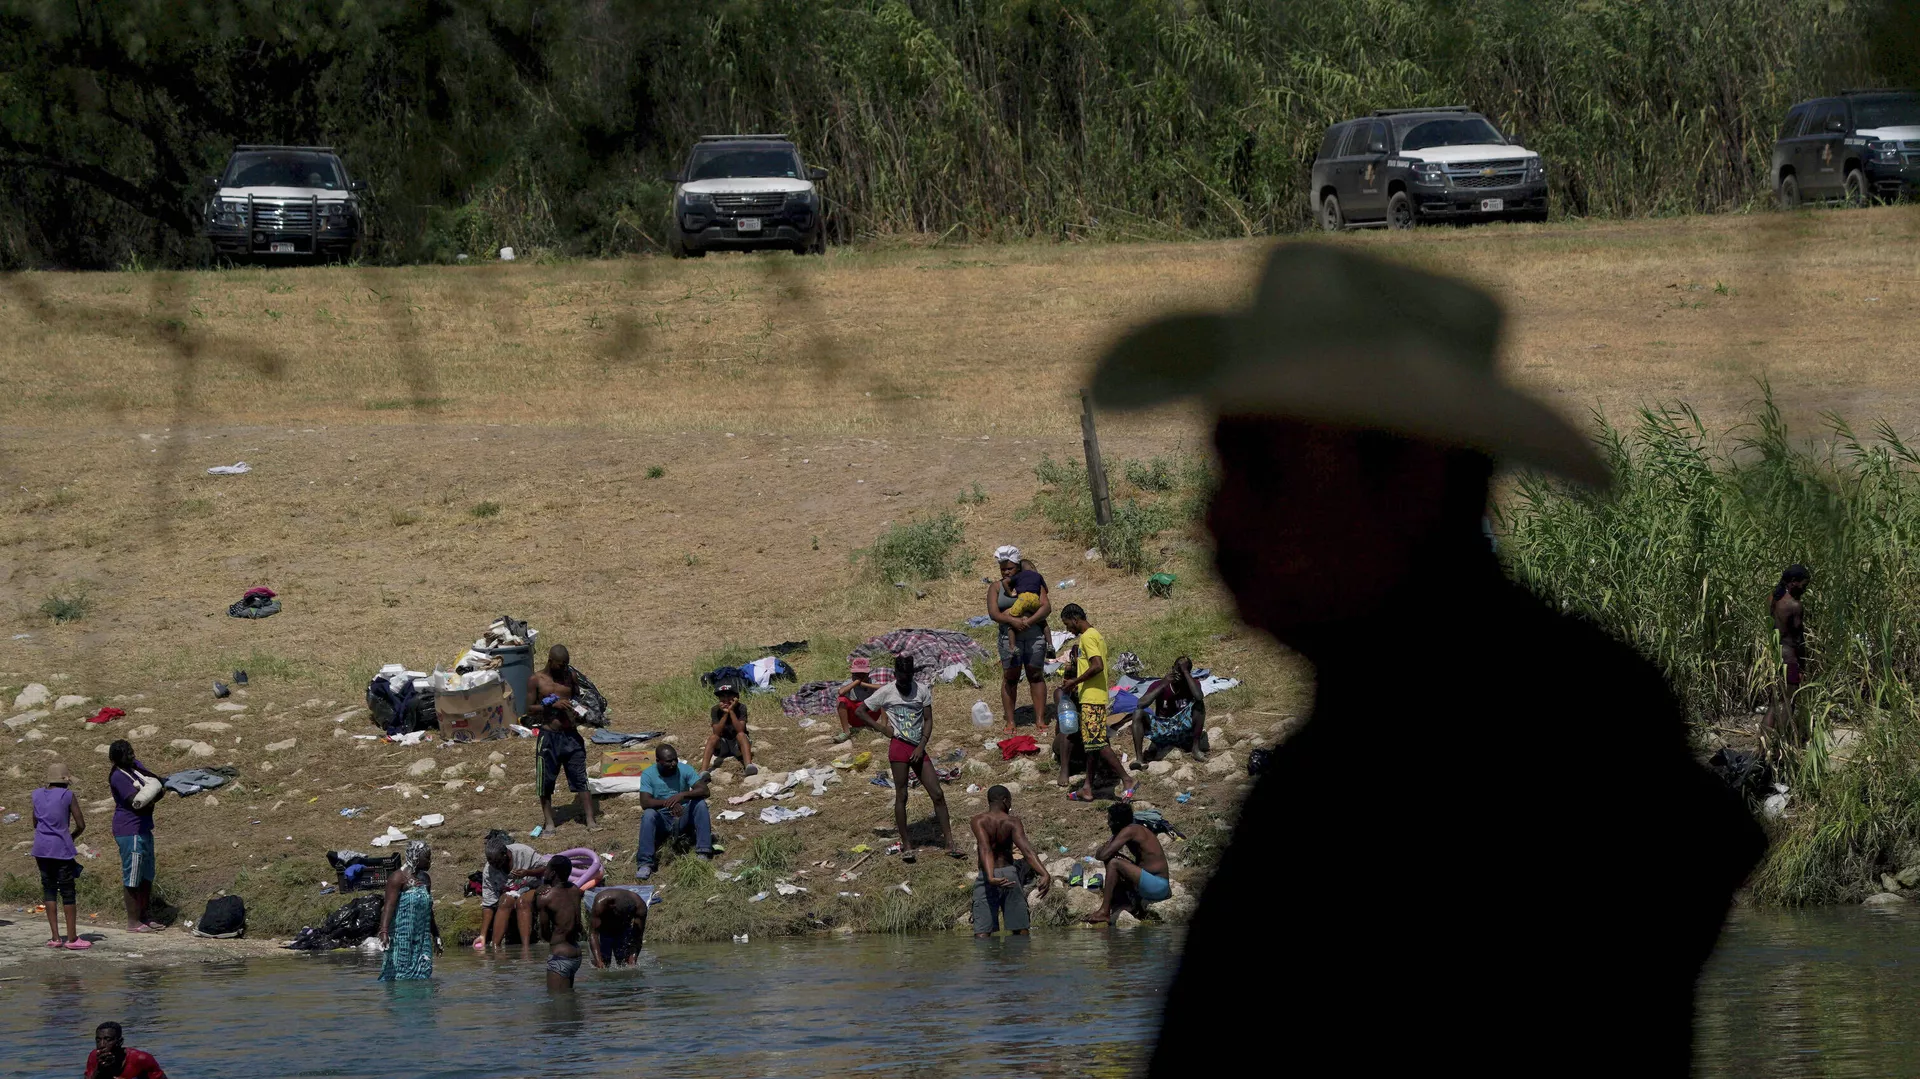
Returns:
point(652, 460)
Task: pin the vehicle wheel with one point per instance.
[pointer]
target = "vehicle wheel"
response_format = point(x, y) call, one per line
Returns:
point(1401, 213)
point(1789, 192)
point(677, 246)
point(1330, 218)
point(817, 245)
point(1856, 189)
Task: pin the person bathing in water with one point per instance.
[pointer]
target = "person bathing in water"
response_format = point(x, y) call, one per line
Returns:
point(617, 925)
point(1000, 892)
point(560, 903)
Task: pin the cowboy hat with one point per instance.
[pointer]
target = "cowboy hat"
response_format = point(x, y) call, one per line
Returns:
point(1338, 337)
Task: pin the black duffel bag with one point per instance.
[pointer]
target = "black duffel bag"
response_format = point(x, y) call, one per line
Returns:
point(225, 918)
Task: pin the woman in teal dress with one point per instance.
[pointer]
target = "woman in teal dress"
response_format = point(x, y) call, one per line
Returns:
point(407, 929)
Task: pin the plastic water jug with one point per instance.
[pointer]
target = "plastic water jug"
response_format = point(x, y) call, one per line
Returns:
point(1067, 714)
point(982, 715)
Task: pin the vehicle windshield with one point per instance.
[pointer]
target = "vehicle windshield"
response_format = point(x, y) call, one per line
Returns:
point(1894, 110)
point(721, 163)
point(1468, 131)
point(282, 169)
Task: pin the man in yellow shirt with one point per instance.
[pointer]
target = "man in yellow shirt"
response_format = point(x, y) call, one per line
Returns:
point(1089, 687)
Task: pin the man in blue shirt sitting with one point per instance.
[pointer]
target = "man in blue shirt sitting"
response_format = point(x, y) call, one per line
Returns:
point(675, 799)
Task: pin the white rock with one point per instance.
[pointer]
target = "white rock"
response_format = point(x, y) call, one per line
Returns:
point(1080, 901)
point(1125, 920)
point(147, 731)
point(1883, 899)
point(1184, 774)
point(229, 706)
point(311, 702)
point(819, 739)
point(101, 749)
point(69, 700)
point(1159, 768)
point(452, 771)
point(14, 723)
point(453, 784)
point(210, 800)
point(495, 771)
point(266, 766)
point(496, 757)
point(214, 725)
point(1013, 786)
point(143, 711)
point(720, 779)
point(182, 744)
point(1174, 756)
point(1214, 734)
point(340, 733)
point(31, 695)
point(519, 789)
point(1222, 764)
point(35, 734)
point(281, 747)
point(421, 767)
point(360, 714)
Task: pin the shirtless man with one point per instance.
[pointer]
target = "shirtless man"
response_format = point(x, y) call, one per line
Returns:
point(1789, 621)
point(1000, 895)
point(1135, 881)
point(617, 924)
point(560, 901)
point(560, 746)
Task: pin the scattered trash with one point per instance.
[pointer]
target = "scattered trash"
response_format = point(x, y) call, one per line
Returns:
point(778, 814)
point(861, 849)
point(393, 835)
point(785, 888)
point(86, 850)
point(506, 254)
point(982, 714)
point(412, 738)
point(239, 468)
point(740, 938)
point(239, 678)
point(537, 829)
point(978, 621)
point(431, 820)
point(973, 788)
point(1092, 555)
point(755, 898)
point(893, 848)
point(354, 812)
point(255, 602)
point(849, 895)
point(327, 889)
point(1068, 583)
point(881, 781)
point(9, 818)
point(220, 690)
point(1183, 797)
point(1160, 585)
point(905, 887)
point(731, 814)
point(1213, 684)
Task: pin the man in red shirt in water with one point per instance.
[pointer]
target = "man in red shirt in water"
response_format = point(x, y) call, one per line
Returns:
point(111, 1060)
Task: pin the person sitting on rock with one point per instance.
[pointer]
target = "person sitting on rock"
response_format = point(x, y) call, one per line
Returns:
point(504, 893)
point(728, 738)
point(1172, 714)
point(1131, 883)
point(674, 798)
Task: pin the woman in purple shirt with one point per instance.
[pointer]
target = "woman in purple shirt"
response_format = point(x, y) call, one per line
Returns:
point(57, 822)
point(133, 832)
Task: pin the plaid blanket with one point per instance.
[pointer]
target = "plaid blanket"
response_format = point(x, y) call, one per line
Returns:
point(931, 649)
point(820, 698)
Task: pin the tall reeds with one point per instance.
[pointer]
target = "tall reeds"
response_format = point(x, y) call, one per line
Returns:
point(1680, 560)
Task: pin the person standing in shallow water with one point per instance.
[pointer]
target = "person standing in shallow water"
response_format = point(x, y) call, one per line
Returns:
point(1357, 416)
point(407, 929)
point(1790, 627)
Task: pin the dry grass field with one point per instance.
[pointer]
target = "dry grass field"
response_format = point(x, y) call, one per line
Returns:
point(792, 409)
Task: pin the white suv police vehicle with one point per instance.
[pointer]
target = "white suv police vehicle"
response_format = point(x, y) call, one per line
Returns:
point(1399, 167)
point(746, 193)
point(284, 202)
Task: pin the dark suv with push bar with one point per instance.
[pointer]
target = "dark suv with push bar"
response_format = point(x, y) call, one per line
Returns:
point(1859, 146)
point(285, 202)
point(1399, 167)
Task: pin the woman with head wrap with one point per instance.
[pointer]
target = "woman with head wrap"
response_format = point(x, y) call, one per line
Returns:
point(407, 929)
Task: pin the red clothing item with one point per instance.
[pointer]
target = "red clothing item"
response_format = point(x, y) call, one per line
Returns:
point(1016, 745)
point(138, 1065)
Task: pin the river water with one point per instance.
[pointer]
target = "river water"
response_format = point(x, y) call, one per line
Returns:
point(1820, 993)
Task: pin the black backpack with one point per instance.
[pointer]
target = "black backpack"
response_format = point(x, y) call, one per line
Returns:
point(226, 918)
point(1258, 760)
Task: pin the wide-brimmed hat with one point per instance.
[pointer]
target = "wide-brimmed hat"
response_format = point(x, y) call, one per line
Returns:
point(57, 773)
point(1337, 337)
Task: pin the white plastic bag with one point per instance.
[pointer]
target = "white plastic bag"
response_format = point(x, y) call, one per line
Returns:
point(982, 715)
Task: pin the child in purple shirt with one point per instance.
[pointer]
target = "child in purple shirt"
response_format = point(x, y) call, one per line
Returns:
point(57, 822)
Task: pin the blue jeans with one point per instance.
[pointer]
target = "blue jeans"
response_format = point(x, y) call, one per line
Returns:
point(660, 824)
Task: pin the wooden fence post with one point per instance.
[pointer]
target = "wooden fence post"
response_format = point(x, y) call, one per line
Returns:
point(1096, 468)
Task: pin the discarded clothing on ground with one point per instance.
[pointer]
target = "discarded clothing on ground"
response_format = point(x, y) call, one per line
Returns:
point(194, 780)
point(1213, 684)
point(106, 714)
point(603, 737)
point(401, 704)
point(1746, 774)
point(346, 927)
point(979, 621)
point(1016, 745)
point(238, 468)
point(257, 602)
point(756, 676)
point(777, 814)
point(812, 699)
point(614, 784)
point(785, 648)
point(946, 651)
point(1155, 821)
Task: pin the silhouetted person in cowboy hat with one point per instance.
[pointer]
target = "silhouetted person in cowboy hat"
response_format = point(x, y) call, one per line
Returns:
point(1490, 841)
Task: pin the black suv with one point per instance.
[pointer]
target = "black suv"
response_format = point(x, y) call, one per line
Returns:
point(1858, 146)
point(744, 193)
point(1399, 166)
point(284, 202)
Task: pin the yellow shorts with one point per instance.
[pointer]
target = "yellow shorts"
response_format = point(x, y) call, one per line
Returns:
point(1093, 726)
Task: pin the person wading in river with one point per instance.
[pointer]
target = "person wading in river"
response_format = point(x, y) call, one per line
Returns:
point(1357, 418)
point(1790, 624)
point(560, 903)
point(1000, 892)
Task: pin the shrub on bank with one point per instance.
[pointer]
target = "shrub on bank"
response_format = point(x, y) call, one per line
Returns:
point(1679, 560)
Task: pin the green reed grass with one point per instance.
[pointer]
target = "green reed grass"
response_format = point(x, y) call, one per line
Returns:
point(1679, 560)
